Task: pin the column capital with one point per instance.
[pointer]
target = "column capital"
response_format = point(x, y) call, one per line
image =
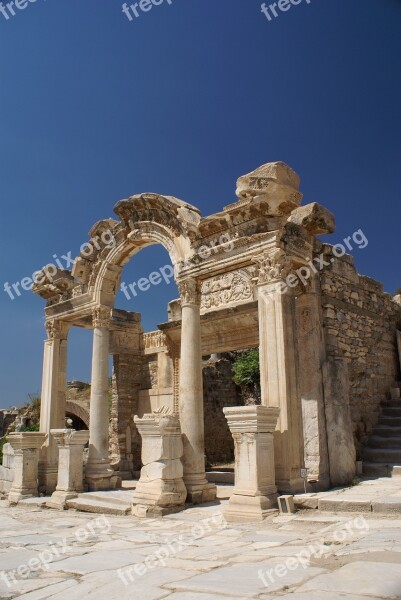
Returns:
point(272, 265)
point(101, 317)
point(190, 291)
point(56, 329)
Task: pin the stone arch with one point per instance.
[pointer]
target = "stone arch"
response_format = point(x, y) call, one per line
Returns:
point(77, 410)
point(146, 219)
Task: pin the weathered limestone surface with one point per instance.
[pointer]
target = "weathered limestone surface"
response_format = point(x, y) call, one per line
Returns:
point(7, 469)
point(255, 491)
point(26, 461)
point(161, 485)
point(99, 474)
point(53, 399)
point(340, 440)
point(279, 368)
point(70, 466)
point(238, 277)
point(312, 356)
point(360, 323)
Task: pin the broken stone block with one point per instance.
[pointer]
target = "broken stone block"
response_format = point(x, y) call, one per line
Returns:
point(161, 486)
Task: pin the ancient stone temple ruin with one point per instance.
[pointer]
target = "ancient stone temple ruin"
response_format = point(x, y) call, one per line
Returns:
point(253, 275)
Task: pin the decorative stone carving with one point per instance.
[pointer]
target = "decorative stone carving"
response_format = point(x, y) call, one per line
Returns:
point(56, 330)
point(154, 339)
point(70, 467)
point(189, 291)
point(255, 492)
point(26, 459)
point(316, 219)
point(161, 487)
point(222, 290)
point(273, 266)
point(101, 317)
point(274, 184)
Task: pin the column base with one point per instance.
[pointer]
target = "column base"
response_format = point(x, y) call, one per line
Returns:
point(200, 491)
point(160, 493)
point(47, 477)
point(59, 499)
point(294, 485)
point(16, 496)
point(100, 476)
point(144, 511)
point(250, 508)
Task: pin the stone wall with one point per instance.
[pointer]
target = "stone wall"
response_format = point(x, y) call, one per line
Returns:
point(360, 322)
point(124, 439)
point(7, 469)
point(219, 391)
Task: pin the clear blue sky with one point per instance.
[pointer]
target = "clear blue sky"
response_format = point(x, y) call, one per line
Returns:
point(182, 100)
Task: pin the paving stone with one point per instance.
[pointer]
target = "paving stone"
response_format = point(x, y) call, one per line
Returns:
point(50, 591)
point(97, 561)
point(370, 578)
point(9, 589)
point(244, 582)
point(327, 596)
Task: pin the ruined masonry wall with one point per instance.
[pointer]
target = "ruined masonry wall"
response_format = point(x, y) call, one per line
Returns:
point(360, 322)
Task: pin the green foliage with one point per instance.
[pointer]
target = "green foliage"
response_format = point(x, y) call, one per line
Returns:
point(246, 369)
point(34, 428)
point(397, 292)
point(2, 442)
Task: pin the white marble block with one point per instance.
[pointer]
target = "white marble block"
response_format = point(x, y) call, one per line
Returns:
point(161, 486)
point(26, 448)
point(70, 466)
point(255, 491)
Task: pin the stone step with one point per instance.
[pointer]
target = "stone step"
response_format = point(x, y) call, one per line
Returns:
point(386, 431)
point(220, 477)
point(391, 411)
point(391, 404)
point(116, 498)
point(377, 469)
point(378, 441)
point(113, 502)
point(386, 420)
point(382, 455)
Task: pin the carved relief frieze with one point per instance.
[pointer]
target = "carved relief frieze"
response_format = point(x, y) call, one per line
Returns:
point(231, 288)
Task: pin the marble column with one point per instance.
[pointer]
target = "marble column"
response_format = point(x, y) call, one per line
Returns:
point(191, 396)
point(70, 466)
point(53, 399)
point(255, 491)
point(312, 357)
point(99, 474)
point(279, 365)
point(26, 460)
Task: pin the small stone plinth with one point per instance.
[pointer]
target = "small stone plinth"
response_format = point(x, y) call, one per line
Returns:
point(255, 491)
point(26, 448)
point(161, 487)
point(70, 466)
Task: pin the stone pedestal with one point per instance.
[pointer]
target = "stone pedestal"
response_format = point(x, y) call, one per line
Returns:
point(161, 488)
point(255, 492)
point(70, 465)
point(26, 459)
point(191, 397)
point(99, 474)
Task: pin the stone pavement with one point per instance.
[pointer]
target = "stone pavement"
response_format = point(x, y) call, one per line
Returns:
point(195, 555)
point(381, 495)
